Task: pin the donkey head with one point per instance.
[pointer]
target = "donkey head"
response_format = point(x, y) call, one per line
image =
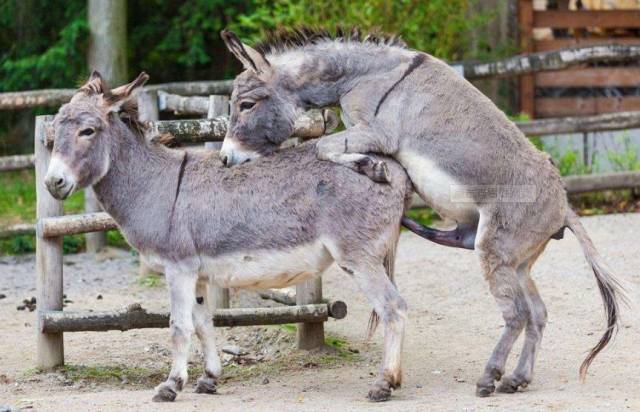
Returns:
point(82, 134)
point(263, 111)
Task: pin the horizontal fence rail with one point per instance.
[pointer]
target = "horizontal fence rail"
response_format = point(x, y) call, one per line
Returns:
point(138, 318)
point(56, 97)
point(18, 162)
point(517, 65)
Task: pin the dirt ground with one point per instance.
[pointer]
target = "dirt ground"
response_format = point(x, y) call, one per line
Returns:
point(453, 326)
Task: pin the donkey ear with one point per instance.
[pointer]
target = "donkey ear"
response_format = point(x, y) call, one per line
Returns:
point(125, 91)
point(95, 84)
point(119, 95)
point(250, 58)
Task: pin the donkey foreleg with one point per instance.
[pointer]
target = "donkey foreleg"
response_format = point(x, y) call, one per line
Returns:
point(182, 287)
point(204, 330)
point(348, 148)
point(392, 309)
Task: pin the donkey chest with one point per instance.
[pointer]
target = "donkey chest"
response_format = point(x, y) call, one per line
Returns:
point(273, 268)
point(437, 187)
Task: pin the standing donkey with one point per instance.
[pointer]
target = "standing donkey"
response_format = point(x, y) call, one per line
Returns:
point(463, 155)
point(270, 223)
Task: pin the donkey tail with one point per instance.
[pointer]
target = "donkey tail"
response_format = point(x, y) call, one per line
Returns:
point(389, 263)
point(610, 288)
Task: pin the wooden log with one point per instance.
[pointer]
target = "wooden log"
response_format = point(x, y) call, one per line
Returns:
point(135, 317)
point(182, 105)
point(74, 224)
point(286, 296)
point(310, 124)
point(35, 98)
point(581, 124)
point(49, 286)
point(19, 162)
point(310, 335)
point(17, 230)
point(590, 77)
point(195, 88)
point(603, 181)
point(552, 60)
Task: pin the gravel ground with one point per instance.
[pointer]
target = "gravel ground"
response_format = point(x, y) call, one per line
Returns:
point(453, 326)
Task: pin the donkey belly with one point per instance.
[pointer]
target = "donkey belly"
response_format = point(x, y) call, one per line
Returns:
point(437, 187)
point(267, 268)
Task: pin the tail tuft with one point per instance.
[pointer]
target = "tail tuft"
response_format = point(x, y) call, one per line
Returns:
point(610, 288)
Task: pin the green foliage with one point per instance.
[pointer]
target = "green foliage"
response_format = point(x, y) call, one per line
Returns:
point(425, 216)
point(626, 159)
point(440, 27)
point(150, 280)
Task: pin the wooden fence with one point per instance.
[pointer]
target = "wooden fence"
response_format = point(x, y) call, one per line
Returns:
point(571, 28)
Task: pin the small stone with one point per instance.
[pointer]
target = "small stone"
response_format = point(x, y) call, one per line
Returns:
point(5, 408)
point(234, 350)
point(21, 307)
point(419, 386)
point(2, 296)
point(265, 380)
point(68, 301)
point(99, 297)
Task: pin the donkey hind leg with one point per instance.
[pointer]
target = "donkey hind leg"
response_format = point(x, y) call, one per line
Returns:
point(182, 287)
point(510, 296)
point(204, 330)
point(523, 374)
point(347, 148)
point(392, 310)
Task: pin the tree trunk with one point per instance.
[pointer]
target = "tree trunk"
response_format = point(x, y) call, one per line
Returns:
point(107, 54)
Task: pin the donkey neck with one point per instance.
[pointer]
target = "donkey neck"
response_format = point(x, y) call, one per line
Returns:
point(322, 73)
point(142, 177)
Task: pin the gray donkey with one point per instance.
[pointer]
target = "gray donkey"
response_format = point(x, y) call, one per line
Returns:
point(271, 223)
point(463, 155)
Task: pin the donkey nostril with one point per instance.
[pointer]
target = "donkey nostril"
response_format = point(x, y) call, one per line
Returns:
point(59, 181)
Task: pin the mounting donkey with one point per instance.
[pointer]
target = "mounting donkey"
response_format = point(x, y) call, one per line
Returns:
point(270, 223)
point(465, 158)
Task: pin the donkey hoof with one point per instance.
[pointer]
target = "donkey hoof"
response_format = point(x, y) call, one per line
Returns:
point(380, 392)
point(510, 384)
point(206, 385)
point(381, 172)
point(164, 394)
point(485, 390)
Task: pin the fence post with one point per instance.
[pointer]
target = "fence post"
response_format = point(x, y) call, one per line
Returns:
point(147, 112)
point(527, 82)
point(48, 254)
point(310, 335)
point(218, 106)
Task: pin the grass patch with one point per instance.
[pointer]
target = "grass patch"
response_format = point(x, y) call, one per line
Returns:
point(18, 205)
point(150, 280)
point(425, 216)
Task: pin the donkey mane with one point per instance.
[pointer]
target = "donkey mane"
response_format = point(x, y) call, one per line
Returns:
point(283, 40)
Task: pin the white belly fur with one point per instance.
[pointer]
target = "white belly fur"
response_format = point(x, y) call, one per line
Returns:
point(266, 268)
point(436, 187)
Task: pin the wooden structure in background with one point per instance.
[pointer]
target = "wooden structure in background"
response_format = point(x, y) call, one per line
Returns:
point(573, 28)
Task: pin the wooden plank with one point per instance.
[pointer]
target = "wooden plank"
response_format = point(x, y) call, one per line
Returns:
point(576, 106)
point(557, 44)
point(581, 124)
point(568, 19)
point(135, 317)
point(592, 77)
point(527, 81)
point(49, 286)
point(17, 230)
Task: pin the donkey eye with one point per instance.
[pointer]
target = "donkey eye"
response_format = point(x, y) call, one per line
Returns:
point(87, 132)
point(246, 106)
